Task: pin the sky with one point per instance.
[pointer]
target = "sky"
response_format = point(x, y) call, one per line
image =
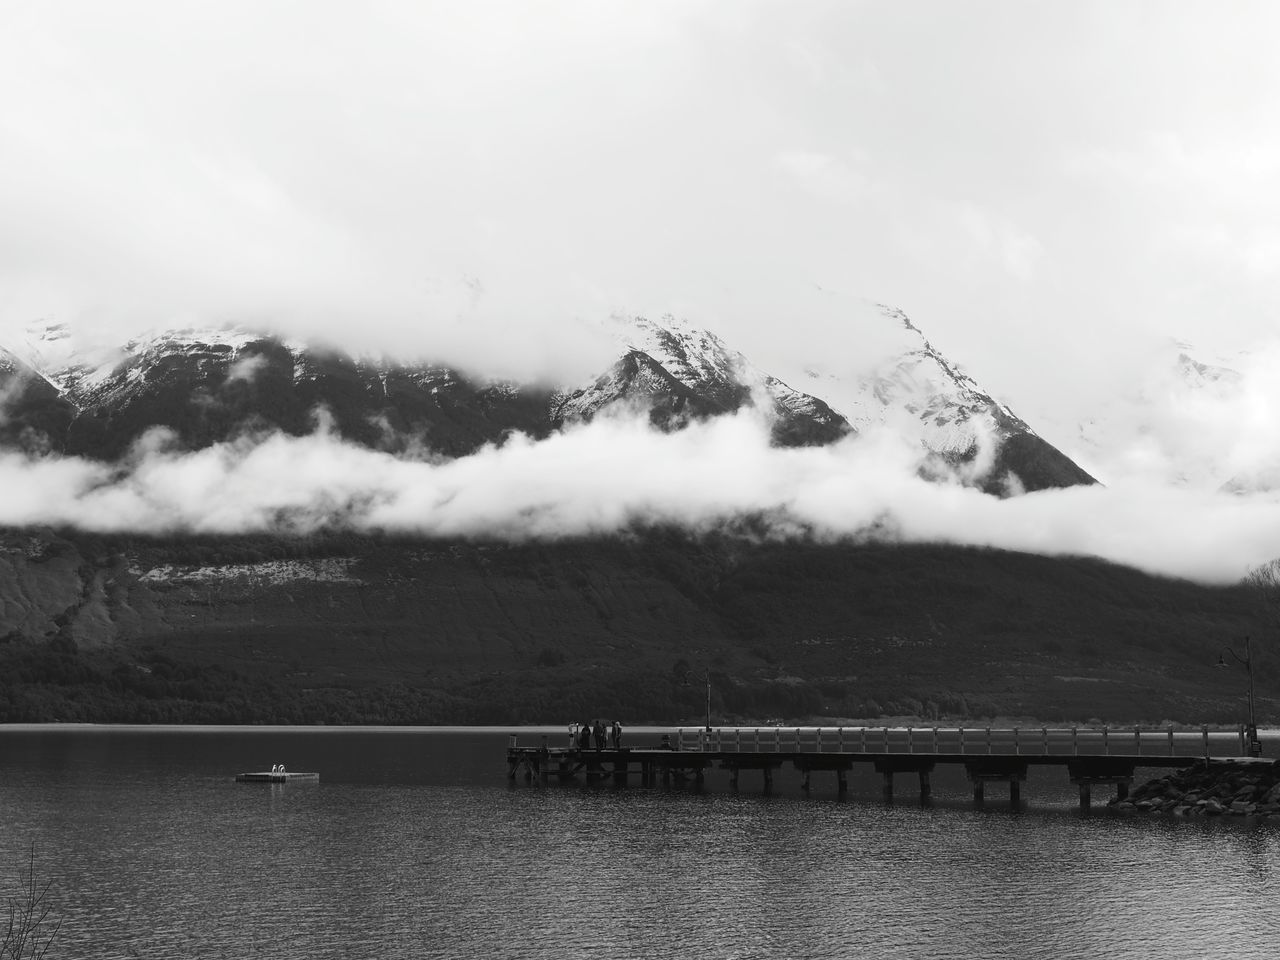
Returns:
point(1042, 187)
point(1051, 191)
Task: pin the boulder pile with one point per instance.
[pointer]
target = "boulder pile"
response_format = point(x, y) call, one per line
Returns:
point(1211, 788)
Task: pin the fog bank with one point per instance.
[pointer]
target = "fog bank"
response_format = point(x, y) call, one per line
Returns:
point(615, 473)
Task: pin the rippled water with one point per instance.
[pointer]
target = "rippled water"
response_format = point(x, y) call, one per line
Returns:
point(414, 845)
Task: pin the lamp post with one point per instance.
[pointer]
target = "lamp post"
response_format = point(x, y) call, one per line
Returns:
point(708, 700)
point(1255, 747)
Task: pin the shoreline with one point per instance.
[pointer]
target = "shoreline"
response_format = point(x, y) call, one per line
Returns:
point(1243, 786)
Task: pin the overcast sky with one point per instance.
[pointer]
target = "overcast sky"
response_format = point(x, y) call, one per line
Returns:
point(1041, 186)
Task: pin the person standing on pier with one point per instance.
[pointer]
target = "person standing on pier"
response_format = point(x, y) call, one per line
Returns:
point(584, 737)
point(615, 735)
point(598, 733)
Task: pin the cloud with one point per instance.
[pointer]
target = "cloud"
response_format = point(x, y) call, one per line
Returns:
point(1187, 419)
point(246, 368)
point(612, 474)
point(828, 178)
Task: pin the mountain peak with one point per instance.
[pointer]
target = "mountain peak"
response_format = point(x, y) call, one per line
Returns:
point(206, 383)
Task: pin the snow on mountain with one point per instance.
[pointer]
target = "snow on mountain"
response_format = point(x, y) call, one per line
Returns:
point(203, 384)
point(901, 381)
point(70, 362)
point(33, 415)
point(895, 377)
point(678, 371)
point(1190, 418)
point(698, 358)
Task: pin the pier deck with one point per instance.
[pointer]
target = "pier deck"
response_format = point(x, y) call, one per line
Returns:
point(1091, 756)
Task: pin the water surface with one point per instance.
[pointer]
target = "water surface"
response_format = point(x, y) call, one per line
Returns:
point(414, 844)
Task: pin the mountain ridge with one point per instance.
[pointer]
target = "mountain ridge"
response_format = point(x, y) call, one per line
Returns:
point(204, 385)
point(345, 628)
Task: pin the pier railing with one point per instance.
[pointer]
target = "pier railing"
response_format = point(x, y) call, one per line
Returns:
point(1019, 741)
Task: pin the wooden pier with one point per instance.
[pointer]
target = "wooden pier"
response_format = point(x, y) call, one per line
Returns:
point(1092, 756)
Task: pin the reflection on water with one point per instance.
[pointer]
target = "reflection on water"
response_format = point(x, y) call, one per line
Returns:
point(414, 845)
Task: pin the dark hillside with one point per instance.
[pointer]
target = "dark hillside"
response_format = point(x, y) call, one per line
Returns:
point(348, 628)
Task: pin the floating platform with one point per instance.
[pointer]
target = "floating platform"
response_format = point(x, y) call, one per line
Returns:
point(268, 777)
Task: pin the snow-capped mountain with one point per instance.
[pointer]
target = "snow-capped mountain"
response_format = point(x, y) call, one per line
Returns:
point(679, 372)
point(209, 385)
point(33, 414)
point(907, 384)
point(1189, 418)
point(73, 363)
point(897, 380)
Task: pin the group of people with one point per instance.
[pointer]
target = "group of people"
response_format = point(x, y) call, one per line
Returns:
point(584, 736)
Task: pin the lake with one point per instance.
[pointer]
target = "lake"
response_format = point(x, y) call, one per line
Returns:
point(414, 844)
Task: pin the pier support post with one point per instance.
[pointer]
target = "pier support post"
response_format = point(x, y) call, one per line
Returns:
point(733, 777)
point(804, 784)
point(925, 791)
point(1086, 797)
point(842, 783)
point(1122, 790)
point(1015, 793)
point(888, 786)
point(768, 779)
point(978, 793)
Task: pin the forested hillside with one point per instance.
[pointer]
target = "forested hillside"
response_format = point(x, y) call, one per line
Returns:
point(342, 628)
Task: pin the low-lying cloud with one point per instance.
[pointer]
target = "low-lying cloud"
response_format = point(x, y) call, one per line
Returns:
point(613, 474)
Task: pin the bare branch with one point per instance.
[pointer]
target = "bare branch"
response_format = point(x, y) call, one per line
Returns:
point(28, 933)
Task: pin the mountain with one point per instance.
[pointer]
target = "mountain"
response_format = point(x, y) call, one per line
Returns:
point(900, 381)
point(344, 628)
point(206, 386)
point(679, 373)
point(1187, 418)
point(212, 385)
point(34, 415)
